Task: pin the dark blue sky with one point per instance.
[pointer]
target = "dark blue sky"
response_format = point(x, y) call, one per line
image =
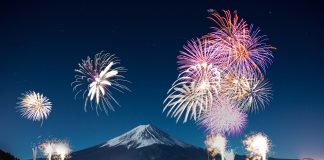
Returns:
point(42, 42)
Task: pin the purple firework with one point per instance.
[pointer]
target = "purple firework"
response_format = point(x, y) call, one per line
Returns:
point(245, 50)
point(224, 117)
point(198, 52)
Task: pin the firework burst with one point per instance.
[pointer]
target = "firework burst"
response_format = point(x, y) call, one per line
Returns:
point(62, 149)
point(198, 52)
point(48, 149)
point(224, 117)
point(216, 144)
point(250, 92)
point(186, 98)
point(257, 145)
point(197, 83)
point(245, 49)
point(96, 77)
point(34, 106)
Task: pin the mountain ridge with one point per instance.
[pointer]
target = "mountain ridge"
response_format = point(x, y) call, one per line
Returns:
point(145, 142)
point(142, 136)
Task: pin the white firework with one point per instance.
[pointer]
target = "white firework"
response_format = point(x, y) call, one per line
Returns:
point(62, 149)
point(224, 117)
point(257, 145)
point(34, 106)
point(250, 92)
point(229, 155)
point(96, 77)
point(193, 92)
point(216, 144)
point(48, 149)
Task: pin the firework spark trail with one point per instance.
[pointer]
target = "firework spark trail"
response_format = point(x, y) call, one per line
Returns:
point(34, 153)
point(96, 77)
point(216, 144)
point(34, 106)
point(224, 117)
point(257, 145)
point(245, 49)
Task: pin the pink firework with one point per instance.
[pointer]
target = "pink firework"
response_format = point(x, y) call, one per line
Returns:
point(198, 52)
point(224, 117)
point(245, 50)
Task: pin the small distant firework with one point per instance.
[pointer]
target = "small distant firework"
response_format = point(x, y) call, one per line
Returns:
point(229, 155)
point(34, 106)
point(245, 50)
point(224, 117)
point(257, 145)
point(62, 149)
point(96, 77)
point(216, 144)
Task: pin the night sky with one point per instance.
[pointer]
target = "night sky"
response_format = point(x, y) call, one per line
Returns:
point(41, 44)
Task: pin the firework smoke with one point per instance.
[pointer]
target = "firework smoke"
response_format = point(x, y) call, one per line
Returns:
point(34, 106)
point(96, 78)
point(257, 145)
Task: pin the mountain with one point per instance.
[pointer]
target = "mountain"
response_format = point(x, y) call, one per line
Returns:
point(143, 136)
point(6, 156)
point(144, 142)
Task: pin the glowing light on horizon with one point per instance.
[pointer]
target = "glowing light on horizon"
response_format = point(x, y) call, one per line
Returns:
point(216, 144)
point(257, 145)
point(55, 148)
point(48, 149)
point(62, 149)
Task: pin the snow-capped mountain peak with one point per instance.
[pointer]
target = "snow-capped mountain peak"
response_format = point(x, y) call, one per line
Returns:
point(142, 136)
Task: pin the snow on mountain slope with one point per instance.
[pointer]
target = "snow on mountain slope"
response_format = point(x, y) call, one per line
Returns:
point(142, 136)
